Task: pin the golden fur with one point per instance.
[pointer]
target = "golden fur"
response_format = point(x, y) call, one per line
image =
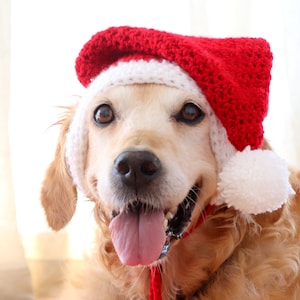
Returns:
point(230, 256)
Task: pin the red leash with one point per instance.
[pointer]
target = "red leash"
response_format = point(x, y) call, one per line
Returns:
point(155, 271)
point(155, 283)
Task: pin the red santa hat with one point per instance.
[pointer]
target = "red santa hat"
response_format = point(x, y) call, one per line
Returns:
point(231, 74)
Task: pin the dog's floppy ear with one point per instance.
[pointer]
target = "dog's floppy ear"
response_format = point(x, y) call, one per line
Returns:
point(58, 193)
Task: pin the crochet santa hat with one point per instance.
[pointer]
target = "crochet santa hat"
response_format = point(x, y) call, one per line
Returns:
point(232, 74)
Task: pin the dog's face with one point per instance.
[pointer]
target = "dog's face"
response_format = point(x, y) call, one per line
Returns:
point(149, 167)
point(150, 164)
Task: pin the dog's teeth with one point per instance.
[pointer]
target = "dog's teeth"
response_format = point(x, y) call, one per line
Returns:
point(165, 224)
point(169, 216)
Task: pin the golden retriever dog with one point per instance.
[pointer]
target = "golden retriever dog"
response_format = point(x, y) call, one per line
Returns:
point(145, 153)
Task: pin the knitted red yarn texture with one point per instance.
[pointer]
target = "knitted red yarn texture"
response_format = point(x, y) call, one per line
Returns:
point(233, 73)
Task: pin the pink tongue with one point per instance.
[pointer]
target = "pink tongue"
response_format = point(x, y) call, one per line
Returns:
point(138, 238)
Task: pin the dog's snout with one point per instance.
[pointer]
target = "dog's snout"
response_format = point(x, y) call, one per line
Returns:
point(137, 167)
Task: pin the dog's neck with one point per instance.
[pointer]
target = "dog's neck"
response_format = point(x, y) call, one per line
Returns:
point(177, 274)
point(155, 271)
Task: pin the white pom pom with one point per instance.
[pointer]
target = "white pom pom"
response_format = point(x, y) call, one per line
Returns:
point(254, 182)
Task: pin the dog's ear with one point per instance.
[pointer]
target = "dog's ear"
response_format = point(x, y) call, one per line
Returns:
point(58, 193)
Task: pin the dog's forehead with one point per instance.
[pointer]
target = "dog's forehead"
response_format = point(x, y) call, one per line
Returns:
point(146, 96)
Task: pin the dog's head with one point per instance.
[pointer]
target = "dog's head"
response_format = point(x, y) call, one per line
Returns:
point(155, 147)
point(149, 162)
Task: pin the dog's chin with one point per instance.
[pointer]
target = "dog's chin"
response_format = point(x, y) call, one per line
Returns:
point(142, 234)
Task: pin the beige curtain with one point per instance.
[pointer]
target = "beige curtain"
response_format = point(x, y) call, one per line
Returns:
point(15, 279)
point(37, 56)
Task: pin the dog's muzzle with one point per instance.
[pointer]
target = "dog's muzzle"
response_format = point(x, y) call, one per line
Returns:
point(141, 232)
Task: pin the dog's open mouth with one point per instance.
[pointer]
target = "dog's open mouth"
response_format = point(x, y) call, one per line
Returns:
point(142, 234)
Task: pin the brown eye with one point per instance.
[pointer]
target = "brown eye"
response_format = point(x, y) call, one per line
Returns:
point(190, 114)
point(103, 114)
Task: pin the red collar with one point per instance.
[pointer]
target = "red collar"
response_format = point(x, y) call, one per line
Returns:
point(155, 271)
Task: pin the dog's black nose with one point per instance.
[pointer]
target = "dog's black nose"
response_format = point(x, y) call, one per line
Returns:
point(137, 167)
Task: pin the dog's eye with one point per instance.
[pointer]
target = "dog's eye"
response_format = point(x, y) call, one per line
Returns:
point(103, 114)
point(190, 114)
